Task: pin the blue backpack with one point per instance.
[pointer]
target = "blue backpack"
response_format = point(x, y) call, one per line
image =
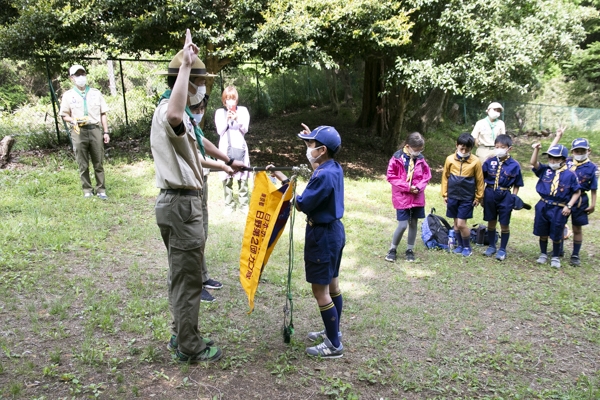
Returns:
point(434, 231)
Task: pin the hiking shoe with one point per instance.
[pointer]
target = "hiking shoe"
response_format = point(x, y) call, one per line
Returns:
point(490, 251)
point(467, 252)
point(209, 354)
point(172, 345)
point(212, 284)
point(458, 250)
point(314, 336)
point(575, 261)
point(542, 259)
point(88, 195)
point(325, 350)
point(555, 263)
point(391, 255)
point(102, 196)
point(501, 255)
point(409, 255)
point(206, 297)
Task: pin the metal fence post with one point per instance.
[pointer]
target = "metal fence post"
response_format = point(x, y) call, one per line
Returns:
point(52, 99)
point(124, 98)
point(465, 109)
point(257, 90)
point(540, 118)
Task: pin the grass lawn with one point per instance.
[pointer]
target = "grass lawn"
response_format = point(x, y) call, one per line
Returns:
point(83, 298)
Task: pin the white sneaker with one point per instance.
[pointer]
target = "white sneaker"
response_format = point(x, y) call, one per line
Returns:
point(542, 259)
point(555, 263)
point(326, 350)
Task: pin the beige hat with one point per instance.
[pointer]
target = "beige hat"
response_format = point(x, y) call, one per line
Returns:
point(495, 105)
point(75, 68)
point(198, 68)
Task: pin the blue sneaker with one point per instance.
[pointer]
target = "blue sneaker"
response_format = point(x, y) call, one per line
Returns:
point(490, 251)
point(467, 252)
point(458, 250)
point(501, 255)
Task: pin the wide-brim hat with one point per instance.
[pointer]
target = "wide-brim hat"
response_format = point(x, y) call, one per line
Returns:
point(198, 67)
point(580, 143)
point(557, 151)
point(495, 105)
point(326, 135)
point(74, 68)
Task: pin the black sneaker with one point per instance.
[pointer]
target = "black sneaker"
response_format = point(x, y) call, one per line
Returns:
point(391, 255)
point(212, 284)
point(206, 297)
point(209, 354)
point(410, 255)
point(575, 261)
point(172, 345)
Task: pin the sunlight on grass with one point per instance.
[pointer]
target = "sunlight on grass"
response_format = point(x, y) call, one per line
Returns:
point(418, 272)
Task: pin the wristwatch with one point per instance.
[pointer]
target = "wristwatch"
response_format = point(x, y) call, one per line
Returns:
point(569, 206)
point(228, 163)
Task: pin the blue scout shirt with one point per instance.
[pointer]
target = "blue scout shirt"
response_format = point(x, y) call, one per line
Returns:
point(323, 199)
point(586, 174)
point(567, 183)
point(510, 172)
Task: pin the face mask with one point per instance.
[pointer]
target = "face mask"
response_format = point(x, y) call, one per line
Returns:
point(554, 166)
point(463, 155)
point(80, 81)
point(230, 104)
point(197, 117)
point(415, 154)
point(309, 156)
point(501, 153)
point(196, 98)
point(493, 114)
point(580, 157)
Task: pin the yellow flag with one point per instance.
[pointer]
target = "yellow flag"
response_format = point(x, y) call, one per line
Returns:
point(267, 216)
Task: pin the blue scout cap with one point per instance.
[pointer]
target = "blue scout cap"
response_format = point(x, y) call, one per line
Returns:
point(557, 151)
point(326, 135)
point(519, 204)
point(580, 143)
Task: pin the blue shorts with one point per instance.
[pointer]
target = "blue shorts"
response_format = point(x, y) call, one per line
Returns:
point(323, 247)
point(498, 205)
point(578, 215)
point(410, 213)
point(549, 221)
point(462, 209)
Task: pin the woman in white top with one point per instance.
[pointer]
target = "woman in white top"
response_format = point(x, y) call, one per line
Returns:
point(487, 130)
point(232, 124)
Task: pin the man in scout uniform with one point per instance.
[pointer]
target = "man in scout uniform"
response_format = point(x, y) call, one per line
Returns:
point(85, 110)
point(487, 130)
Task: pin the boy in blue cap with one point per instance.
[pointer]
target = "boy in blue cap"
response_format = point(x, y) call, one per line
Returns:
point(501, 174)
point(323, 203)
point(587, 174)
point(559, 188)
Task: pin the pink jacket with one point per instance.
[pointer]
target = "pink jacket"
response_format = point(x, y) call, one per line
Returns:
point(402, 198)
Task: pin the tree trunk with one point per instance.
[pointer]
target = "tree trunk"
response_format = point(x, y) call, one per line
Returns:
point(345, 78)
point(5, 146)
point(430, 112)
point(112, 85)
point(372, 85)
point(214, 65)
point(332, 86)
point(396, 104)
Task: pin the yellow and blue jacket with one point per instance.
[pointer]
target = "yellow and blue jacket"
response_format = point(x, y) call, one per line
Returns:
point(462, 178)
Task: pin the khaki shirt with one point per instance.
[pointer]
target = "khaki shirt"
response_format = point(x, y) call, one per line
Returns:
point(176, 158)
point(71, 105)
point(483, 133)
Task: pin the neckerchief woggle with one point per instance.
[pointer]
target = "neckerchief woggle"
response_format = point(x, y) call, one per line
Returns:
point(197, 131)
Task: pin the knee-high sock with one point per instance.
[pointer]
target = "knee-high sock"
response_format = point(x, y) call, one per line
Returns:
point(330, 319)
point(504, 236)
point(397, 237)
point(556, 248)
point(544, 245)
point(576, 247)
point(492, 238)
point(338, 301)
point(466, 242)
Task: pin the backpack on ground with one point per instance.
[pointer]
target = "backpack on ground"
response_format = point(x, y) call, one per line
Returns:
point(434, 231)
point(479, 235)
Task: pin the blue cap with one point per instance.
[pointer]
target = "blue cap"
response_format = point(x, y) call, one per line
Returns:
point(326, 135)
point(557, 151)
point(580, 143)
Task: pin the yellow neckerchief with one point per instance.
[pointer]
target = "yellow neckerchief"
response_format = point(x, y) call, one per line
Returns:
point(576, 164)
point(411, 166)
point(554, 186)
point(500, 162)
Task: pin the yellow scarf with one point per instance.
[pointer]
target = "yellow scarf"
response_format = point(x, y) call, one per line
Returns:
point(500, 162)
point(411, 166)
point(554, 186)
point(577, 164)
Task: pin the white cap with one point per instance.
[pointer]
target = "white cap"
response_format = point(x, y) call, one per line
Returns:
point(75, 68)
point(495, 105)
